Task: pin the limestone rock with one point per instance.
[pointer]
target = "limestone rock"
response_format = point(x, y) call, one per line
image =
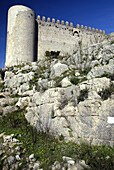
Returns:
point(58, 69)
point(31, 156)
point(18, 158)
point(56, 165)
point(7, 101)
point(95, 84)
point(67, 158)
point(65, 82)
point(9, 109)
point(36, 165)
point(100, 70)
point(23, 88)
point(17, 80)
point(11, 160)
point(22, 102)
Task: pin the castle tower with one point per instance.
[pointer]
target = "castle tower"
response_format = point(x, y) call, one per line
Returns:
point(20, 35)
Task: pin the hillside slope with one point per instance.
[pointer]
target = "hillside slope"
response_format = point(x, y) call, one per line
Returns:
point(66, 96)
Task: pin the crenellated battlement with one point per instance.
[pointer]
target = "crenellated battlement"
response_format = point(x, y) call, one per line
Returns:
point(68, 24)
point(62, 22)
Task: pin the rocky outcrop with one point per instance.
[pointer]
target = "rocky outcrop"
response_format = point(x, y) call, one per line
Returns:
point(64, 95)
point(58, 111)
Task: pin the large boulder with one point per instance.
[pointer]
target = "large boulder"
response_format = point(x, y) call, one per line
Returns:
point(58, 69)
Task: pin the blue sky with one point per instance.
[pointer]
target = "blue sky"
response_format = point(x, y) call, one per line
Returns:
point(94, 13)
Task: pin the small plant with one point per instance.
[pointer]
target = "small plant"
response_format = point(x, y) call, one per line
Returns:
point(61, 57)
point(106, 93)
point(5, 105)
point(96, 65)
point(42, 76)
point(20, 66)
point(52, 114)
point(1, 86)
point(61, 137)
point(37, 87)
point(107, 61)
point(85, 71)
point(47, 53)
point(83, 95)
point(70, 133)
point(25, 71)
point(72, 72)
point(52, 54)
point(30, 88)
point(108, 75)
point(58, 82)
point(15, 95)
point(74, 80)
point(83, 79)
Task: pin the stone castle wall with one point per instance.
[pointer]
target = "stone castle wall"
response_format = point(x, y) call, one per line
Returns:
point(28, 39)
point(64, 37)
point(54, 37)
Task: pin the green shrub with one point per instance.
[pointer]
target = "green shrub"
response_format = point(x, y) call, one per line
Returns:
point(83, 79)
point(10, 104)
point(96, 65)
point(74, 80)
point(15, 95)
point(85, 71)
point(61, 57)
point(26, 71)
point(58, 84)
point(61, 137)
point(83, 95)
point(70, 133)
point(52, 54)
point(108, 75)
point(58, 81)
point(72, 72)
point(1, 86)
point(47, 53)
point(106, 93)
point(20, 66)
point(52, 114)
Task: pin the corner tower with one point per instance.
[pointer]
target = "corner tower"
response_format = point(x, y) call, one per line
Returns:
point(20, 35)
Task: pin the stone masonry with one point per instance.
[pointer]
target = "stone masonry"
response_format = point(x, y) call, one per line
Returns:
point(28, 38)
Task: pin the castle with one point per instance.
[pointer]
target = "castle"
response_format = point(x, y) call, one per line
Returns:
point(29, 38)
